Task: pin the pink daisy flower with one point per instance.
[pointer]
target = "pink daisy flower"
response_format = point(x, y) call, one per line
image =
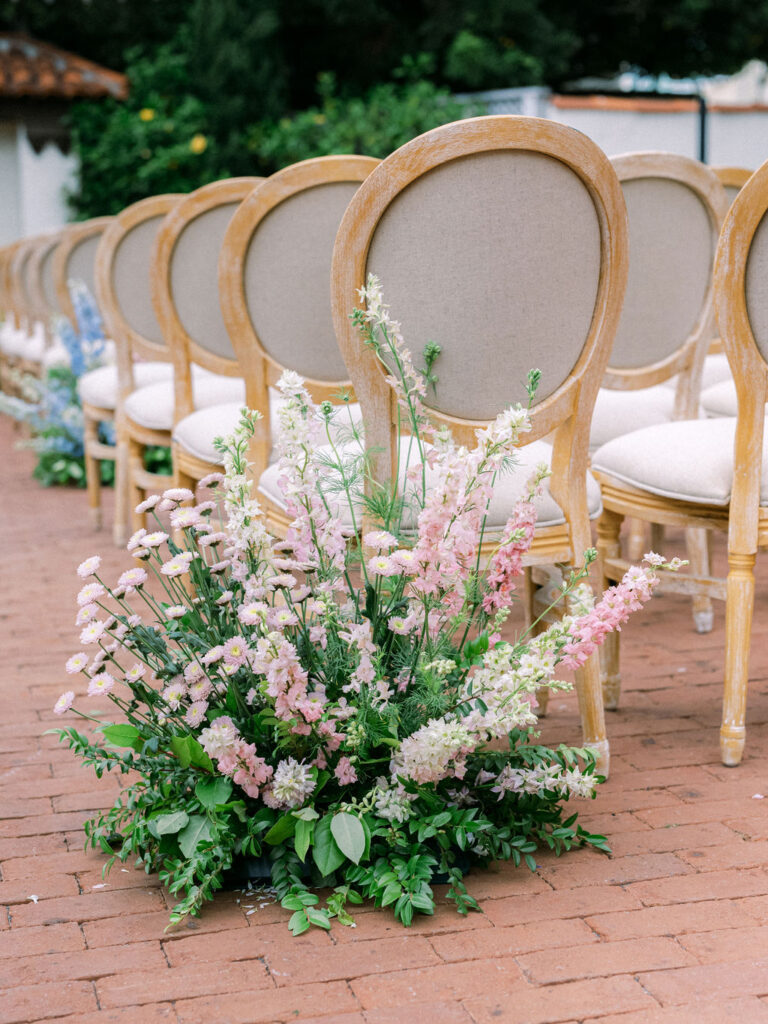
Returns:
point(76, 663)
point(175, 566)
point(133, 578)
point(90, 592)
point(176, 611)
point(196, 713)
point(212, 480)
point(154, 540)
point(101, 683)
point(184, 518)
point(380, 565)
point(64, 703)
point(92, 633)
point(147, 504)
point(178, 494)
point(89, 567)
point(86, 613)
point(136, 672)
point(136, 539)
point(379, 539)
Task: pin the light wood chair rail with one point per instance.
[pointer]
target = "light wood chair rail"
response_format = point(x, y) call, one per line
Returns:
point(42, 291)
point(725, 502)
point(465, 226)
point(122, 288)
point(733, 180)
point(274, 271)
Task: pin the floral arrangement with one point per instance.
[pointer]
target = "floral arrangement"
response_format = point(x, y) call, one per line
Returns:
point(340, 703)
point(50, 405)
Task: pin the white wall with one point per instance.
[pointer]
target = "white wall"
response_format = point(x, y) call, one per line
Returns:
point(43, 177)
point(738, 138)
point(624, 131)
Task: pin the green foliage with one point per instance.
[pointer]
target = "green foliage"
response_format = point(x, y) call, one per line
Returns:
point(374, 124)
point(157, 141)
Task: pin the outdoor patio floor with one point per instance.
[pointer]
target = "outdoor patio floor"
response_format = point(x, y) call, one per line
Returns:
point(671, 928)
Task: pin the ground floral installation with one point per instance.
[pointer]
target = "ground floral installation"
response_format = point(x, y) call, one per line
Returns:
point(348, 712)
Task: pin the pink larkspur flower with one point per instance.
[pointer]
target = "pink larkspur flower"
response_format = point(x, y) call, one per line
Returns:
point(89, 567)
point(64, 703)
point(345, 772)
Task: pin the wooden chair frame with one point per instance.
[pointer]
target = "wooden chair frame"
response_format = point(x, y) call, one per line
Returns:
point(687, 361)
point(41, 303)
point(129, 345)
point(184, 349)
point(260, 368)
point(567, 411)
point(744, 519)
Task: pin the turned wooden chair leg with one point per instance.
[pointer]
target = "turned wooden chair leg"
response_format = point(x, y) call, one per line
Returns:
point(697, 543)
point(92, 471)
point(135, 491)
point(609, 546)
point(740, 599)
point(591, 709)
point(122, 515)
point(637, 542)
point(529, 603)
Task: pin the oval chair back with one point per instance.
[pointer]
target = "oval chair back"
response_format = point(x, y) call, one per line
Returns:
point(676, 207)
point(274, 274)
point(185, 283)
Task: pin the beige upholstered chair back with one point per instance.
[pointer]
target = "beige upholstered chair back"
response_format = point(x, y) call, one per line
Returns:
point(6, 276)
point(20, 280)
point(503, 239)
point(123, 289)
point(185, 282)
point(274, 274)
point(75, 260)
point(41, 278)
point(675, 206)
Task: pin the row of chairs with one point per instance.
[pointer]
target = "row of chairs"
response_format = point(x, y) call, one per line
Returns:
point(511, 241)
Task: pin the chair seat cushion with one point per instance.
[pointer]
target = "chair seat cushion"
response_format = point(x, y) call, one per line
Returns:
point(690, 460)
point(620, 412)
point(99, 387)
point(196, 432)
point(720, 399)
point(715, 370)
point(153, 406)
point(508, 490)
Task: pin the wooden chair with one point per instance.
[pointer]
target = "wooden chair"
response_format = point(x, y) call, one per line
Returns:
point(718, 395)
point(274, 273)
point(42, 288)
point(676, 206)
point(504, 239)
point(26, 348)
point(122, 282)
point(682, 474)
point(185, 294)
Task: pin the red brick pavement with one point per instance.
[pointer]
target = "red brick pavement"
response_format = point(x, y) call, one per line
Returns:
point(670, 929)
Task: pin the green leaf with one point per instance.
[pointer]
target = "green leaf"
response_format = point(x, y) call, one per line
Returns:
point(306, 814)
point(303, 837)
point(349, 835)
point(319, 918)
point(169, 824)
point(123, 735)
point(189, 752)
point(299, 922)
point(325, 852)
point(282, 829)
point(197, 831)
point(211, 792)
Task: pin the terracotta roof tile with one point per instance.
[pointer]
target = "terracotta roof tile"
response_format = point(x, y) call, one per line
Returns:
point(30, 68)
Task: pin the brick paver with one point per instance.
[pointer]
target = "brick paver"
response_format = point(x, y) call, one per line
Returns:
point(673, 928)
